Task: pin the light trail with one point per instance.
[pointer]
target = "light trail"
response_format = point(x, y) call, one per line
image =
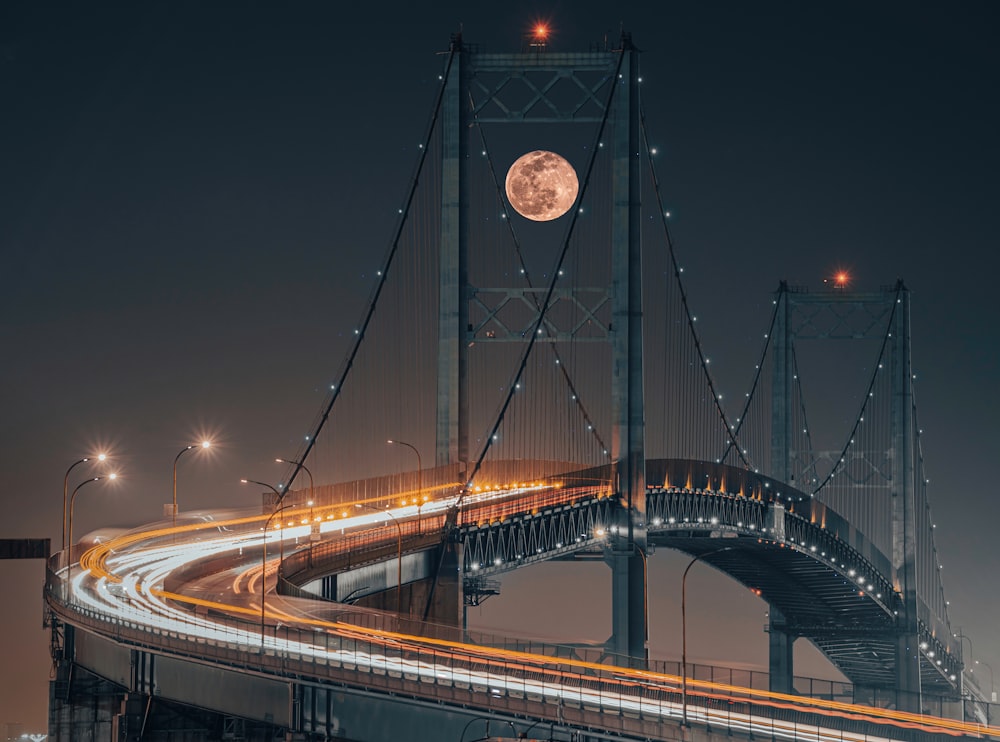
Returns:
point(123, 580)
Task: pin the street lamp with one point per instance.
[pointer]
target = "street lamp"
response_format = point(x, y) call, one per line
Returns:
point(399, 553)
point(85, 459)
point(311, 487)
point(684, 677)
point(993, 692)
point(420, 475)
point(278, 507)
point(72, 500)
point(961, 685)
point(203, 445)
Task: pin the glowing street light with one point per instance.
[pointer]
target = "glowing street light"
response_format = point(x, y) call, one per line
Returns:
point(420, 475)
point(203, 445)
point(72, 500)
point(278, 507)
point(399, 553)
point(85, 459)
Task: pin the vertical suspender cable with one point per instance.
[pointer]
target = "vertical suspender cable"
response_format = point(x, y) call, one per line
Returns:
point(380, 284)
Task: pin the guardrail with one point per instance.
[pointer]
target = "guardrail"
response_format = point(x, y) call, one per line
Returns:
point(591, 696)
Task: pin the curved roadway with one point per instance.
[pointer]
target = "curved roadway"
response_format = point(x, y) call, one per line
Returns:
point(195, 592)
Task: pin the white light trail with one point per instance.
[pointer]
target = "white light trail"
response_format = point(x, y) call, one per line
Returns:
point(144, 566)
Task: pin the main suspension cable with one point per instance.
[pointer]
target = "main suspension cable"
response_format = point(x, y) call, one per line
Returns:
point(592, 426)
point(546, 302)
point(359, 333)
point(868, 394)
point(683, 295)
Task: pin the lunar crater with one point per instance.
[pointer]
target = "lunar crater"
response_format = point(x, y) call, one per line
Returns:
point(541, 186)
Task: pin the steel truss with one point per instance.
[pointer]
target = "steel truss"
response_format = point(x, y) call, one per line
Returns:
point(703, 514)
point(533, 537)
point(675, 506)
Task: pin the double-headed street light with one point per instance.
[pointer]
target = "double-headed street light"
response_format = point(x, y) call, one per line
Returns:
point(399, 552)
point(203, 445)
point(278, 507)
point(72, 500)
point(420, 475)
point(961, 685)
point(84, 460)
point(311, 488)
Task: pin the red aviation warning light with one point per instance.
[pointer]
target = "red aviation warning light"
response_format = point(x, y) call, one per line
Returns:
point(539, 35)
point(839, 280)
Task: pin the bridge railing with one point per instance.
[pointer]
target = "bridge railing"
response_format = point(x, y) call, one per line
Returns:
point(600, 696)
point(360, 547)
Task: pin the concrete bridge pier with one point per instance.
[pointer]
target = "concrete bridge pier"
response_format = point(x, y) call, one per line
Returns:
point(445, 602)
point(81, 706)
point(132, 716)
point(780, 653)
point(628, 607)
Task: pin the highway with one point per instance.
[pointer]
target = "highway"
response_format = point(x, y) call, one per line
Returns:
point(196, 589)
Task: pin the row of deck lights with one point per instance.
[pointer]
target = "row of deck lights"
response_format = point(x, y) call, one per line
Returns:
point(714, 521)
point(599, 533)
point(476, 566)
point(860, 579)
point(925, 648)
point(852, 573)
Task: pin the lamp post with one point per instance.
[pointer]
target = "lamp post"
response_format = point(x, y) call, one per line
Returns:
point(72, 500)
point(85, 459)
point(961, 685)
point(399, 553)
point(311, 488)
point(961, 675)
point(203, 445)
point(420, 475)
point(993, 692)
point(684, 678)
point(278, 507)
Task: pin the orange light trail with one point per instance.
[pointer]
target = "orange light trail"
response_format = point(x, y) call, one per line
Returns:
point(570, 670)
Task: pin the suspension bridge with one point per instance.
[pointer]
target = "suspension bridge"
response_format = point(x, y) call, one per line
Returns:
point(556, 372)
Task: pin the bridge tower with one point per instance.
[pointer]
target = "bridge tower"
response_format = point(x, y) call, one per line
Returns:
point(842, 315)
point(468, 103)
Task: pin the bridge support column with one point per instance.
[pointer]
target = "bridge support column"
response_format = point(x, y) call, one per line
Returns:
point(81, 706)
point(131, 719)
point(628, 607)
point(904, 542)
point(453, 310)
point(445, 601)
point(628, 558)
point(780, 654)
point(907, 672)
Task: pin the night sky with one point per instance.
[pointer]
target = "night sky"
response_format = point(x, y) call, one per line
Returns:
point(193, 198)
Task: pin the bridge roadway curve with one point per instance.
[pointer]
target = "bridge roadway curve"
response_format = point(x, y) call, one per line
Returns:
point(831, 585)
point(178, 613)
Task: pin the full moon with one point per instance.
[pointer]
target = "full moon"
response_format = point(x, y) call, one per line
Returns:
point(541, 186)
